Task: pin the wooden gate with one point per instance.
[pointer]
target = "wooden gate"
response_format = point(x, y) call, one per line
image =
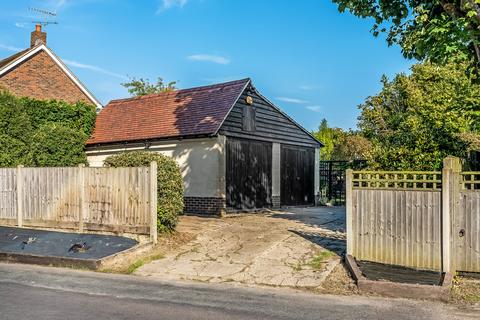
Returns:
point(297, 167)
point(466, 224)
point(248, 174)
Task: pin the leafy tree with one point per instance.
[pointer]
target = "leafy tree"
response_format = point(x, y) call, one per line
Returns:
point(417, 120)
point(351, 146)
point(326, 135)
point(432, 29)
point(341, 145)
point(141, 87)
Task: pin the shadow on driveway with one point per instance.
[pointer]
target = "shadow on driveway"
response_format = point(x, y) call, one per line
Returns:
point(332, 242)
point(329, 218)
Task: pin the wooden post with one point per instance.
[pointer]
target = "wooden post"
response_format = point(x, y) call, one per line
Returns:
point(153, 201)
point(349, 209)
point(19, 195)
point(83, 203)
point(450, 201)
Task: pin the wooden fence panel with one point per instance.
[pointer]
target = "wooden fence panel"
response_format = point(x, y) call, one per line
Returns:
point(8, 193)
point(118, 196)
point(400, 227)
point(99, 199)
point(50, 195)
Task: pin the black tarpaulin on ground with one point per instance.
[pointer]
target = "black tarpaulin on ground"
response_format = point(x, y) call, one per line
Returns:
point(57, 244)
point(378, 271)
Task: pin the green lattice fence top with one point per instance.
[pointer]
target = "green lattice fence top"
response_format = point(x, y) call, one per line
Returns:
point(398, 180)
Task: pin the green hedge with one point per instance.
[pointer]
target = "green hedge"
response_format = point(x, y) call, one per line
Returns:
point(43, 133)
point(170, 184)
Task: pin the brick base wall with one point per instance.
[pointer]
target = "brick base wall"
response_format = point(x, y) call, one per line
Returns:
point(204, 205)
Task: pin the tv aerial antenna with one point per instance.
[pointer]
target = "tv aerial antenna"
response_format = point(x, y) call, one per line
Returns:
point(44, 16)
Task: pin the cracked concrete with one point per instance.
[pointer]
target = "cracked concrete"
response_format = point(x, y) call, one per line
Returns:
point(272, 249)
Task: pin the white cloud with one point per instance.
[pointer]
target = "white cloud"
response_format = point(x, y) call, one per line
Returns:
point(310, 87)
point(20, 25)
point(76, 64)
point(314, 108)
point(209, 58)
point(168, 4)
point(9, 48)
point(291, 100)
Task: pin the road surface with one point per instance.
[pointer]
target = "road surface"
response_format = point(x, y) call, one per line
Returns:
point(31, 292)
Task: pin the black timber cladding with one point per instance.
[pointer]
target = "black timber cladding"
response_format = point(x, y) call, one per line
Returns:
point(269, 123)
point(248, 174)
point(297, 174)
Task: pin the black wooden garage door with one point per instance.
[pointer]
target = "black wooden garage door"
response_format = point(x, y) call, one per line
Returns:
point(248, 174)
point(297, 165)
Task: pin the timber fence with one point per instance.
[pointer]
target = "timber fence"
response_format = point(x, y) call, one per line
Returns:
point(120, 200)
point(419, 219)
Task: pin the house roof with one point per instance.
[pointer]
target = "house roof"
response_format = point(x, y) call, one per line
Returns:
point(190, 112)
point(11, 62)
point(7, 60)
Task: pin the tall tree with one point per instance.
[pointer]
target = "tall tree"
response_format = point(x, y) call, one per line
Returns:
point(141, 87)
point(417, 120)
point(327, 136)
point(436, 30)
point(351, 146)
point(341, 145)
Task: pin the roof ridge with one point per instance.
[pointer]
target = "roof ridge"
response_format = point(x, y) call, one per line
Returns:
point(186, 90)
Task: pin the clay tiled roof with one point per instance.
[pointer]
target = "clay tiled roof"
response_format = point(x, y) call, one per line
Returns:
point(13, 57)
point(182, 113)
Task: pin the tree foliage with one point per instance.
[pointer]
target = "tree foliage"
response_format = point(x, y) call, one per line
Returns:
point(417, 120)
point(141, 87)
point(436, 30)
point(340, 144)
point(170, 184)
point(43, 133)
point(351, 146)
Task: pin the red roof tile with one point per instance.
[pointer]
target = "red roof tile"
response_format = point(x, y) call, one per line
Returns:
point(181, 113)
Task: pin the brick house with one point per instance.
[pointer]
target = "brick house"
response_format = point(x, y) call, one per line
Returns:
point(236, 150)
point(38, 73)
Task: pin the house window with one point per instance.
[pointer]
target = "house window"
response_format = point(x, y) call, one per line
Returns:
point(248, 118)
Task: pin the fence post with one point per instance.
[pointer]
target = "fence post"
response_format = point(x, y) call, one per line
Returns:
point(19, 195)
point(349, 210)
point(153, 201)
point(83, 204)
point(450, 194)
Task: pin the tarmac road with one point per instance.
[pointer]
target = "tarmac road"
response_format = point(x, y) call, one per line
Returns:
point(32, 292)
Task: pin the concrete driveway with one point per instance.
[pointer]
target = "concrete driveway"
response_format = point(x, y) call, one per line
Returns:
point(297, 247)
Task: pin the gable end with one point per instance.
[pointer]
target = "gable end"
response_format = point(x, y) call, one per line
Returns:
point(269, 123)
point(40, 74)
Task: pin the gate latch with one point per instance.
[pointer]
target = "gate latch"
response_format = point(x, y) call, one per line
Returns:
point(461, 233)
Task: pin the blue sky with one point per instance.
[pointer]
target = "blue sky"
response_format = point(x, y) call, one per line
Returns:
point(304, 56)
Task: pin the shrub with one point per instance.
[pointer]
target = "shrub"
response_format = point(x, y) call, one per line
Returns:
point(43, 133)
point(170, 184)
point(57, 145)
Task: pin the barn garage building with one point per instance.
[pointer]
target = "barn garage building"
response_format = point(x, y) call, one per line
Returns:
point(236, 150)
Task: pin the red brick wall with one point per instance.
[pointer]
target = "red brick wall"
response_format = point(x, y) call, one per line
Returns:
point(40, 77)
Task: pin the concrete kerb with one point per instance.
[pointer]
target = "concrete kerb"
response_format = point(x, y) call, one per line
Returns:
point(69, 262)
point(399, 290)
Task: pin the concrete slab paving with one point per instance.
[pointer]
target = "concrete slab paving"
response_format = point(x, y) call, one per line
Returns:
point(279, 248)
